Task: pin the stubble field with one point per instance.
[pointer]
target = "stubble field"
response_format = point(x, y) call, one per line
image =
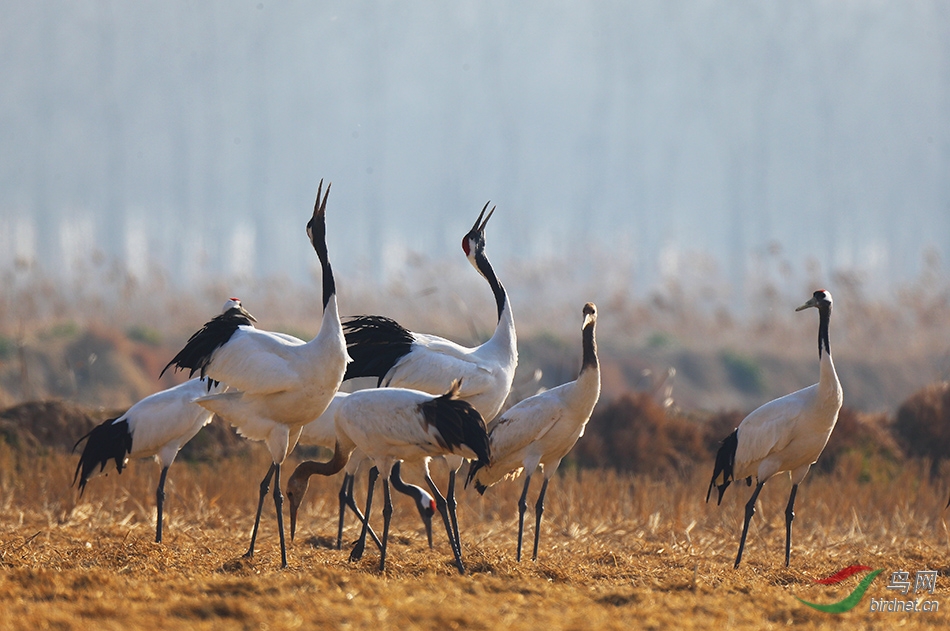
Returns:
point(617, 552)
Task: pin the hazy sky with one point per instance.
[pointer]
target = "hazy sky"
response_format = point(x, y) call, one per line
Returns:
point(722, 138)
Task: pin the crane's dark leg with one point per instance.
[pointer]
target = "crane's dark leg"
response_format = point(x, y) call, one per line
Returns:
point(346, 499)
point(265, 486)
point(522, 507)
point(346, 492)
point(450, 500)
point(278, 505)
point(749, 512)
point(440, 505)
point(387, 516)
point(539, 510)
point(789, 516)
point(160, 501)
point(360, 546)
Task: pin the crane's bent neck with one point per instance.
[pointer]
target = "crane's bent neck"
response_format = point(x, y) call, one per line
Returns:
point(400, 485)
point(308, 468)
point(485, 269)
point(505, 336)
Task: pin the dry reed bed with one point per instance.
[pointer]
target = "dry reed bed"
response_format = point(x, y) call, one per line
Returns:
point(616, 552)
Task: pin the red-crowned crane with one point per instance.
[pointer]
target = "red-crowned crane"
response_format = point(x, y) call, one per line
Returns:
point(400, 358)
point(159, 425)
point(393, 424)
point(787, 434)
point(322, 432)
point(542, 429)
point(278, 385)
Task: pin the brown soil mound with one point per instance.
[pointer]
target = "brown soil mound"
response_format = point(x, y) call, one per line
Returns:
point(47, 424)
point(57, 425)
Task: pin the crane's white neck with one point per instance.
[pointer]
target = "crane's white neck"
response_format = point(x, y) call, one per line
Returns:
point(827, 376)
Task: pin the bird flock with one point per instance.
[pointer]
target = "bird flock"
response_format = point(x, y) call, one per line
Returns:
point(433, 398)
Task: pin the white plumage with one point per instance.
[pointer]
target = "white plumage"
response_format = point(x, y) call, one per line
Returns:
point(322, 432)
point(786, 434)
point(390, 425)
point(418, 361)
point(542, 429)
point(400, 358)
point(278, 383)
point(159, 425)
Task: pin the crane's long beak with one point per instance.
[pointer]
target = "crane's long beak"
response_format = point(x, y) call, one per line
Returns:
point(427, 520)
point(475, 227)
point(320, 206)
point(810, 303)
point(247, 314)
point(426, 513)
point(294, 504)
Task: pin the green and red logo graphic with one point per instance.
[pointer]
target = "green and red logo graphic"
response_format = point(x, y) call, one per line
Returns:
point(852, 599)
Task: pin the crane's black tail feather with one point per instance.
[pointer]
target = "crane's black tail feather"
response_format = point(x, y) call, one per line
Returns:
point(725, 461)
point(472, 472)
point(107, 441)
point(200, 348)
point(375, 344)
point(458, 424)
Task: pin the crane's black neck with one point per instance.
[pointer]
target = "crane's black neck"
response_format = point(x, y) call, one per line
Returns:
point(320, 246)
point(329, 285)
point(400, 486)
point(590, 347)
point(501, 297)
point(824, 317)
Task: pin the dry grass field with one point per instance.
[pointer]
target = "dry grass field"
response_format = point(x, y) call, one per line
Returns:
point(629, 547)
point(617, 552)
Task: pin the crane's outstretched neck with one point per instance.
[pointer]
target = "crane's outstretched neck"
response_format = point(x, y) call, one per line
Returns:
point(473, 244)
point(485, 269)
point(317, 231)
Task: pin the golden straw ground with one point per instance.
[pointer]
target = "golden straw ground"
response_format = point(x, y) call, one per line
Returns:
point(640, 554)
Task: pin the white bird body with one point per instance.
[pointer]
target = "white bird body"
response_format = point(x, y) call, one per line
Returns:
point(322, 432)
point(790, 432)
point(278, 384)
point(429, 363)
point(386, 426)
point(786, 434)
point(485, 371)
point(390, 425)
point(162, 423)
point(542, 429)
point(159, 425)
point(400, 358)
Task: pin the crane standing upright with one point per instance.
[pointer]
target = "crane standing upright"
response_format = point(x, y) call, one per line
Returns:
point(786, 434)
